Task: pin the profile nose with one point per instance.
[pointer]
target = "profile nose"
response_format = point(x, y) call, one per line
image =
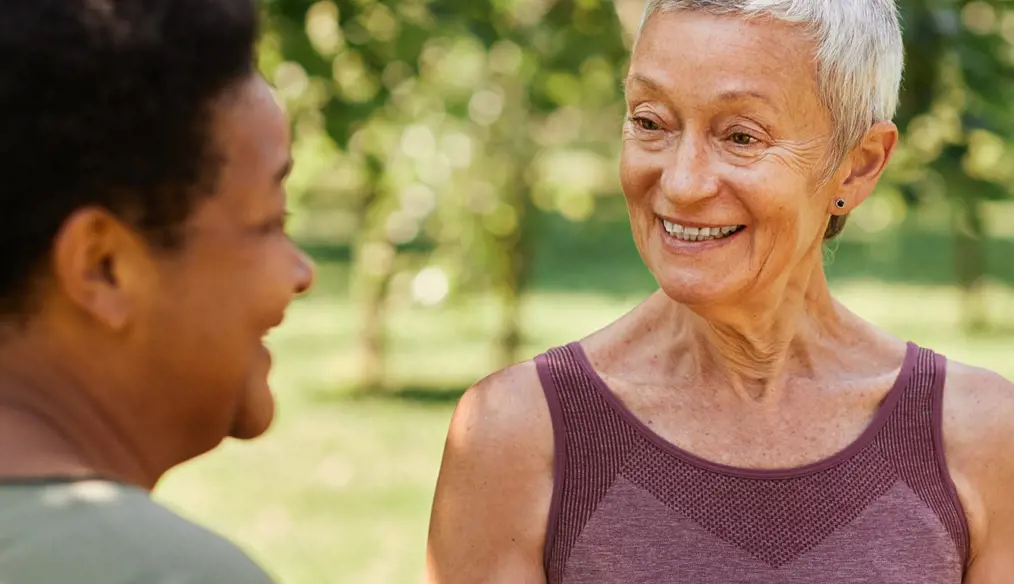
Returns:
point(689, 177)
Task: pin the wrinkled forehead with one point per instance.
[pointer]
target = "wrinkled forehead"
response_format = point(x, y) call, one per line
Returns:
point(684, 49)
point(765, 33)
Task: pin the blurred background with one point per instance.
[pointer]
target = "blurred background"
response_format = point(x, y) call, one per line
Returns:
point(456, 181)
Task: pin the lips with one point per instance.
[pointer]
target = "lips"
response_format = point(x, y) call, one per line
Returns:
point(683, 239)
point(686, 233)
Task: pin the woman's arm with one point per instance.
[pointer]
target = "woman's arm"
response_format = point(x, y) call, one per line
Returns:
point(979, 438)
point(491, 507)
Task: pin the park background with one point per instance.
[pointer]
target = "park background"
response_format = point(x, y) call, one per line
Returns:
point(456, 182)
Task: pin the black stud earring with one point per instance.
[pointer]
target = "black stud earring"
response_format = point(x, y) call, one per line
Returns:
point(840, 203)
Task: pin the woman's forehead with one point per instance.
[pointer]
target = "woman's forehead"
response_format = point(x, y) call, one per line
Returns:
point(700, 38)
point(724, 57)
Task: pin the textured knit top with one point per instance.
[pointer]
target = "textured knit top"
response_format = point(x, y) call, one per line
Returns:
point(628, 507)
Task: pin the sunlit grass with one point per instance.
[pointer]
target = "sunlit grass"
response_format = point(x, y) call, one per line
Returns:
point(339, 491)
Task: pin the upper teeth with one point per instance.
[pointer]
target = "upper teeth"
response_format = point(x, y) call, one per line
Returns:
point(698, 233)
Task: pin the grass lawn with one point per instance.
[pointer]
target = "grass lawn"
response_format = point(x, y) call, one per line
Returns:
point(339, 491)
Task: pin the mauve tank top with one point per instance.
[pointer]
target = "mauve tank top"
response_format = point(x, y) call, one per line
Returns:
point(629, 507)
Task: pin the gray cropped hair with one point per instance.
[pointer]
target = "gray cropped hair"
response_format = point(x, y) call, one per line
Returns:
point(859, 54)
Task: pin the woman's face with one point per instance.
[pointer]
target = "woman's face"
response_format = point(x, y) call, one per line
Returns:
point(724, 151)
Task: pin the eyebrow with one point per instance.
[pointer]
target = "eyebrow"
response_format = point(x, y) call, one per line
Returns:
point(737, 94)
point(638, 79)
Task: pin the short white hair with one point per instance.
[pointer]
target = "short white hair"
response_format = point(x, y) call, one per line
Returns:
point(859, 53)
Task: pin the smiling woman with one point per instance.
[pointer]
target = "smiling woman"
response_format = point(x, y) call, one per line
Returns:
point(743, 148)
point(144, 218)
point(740, 425)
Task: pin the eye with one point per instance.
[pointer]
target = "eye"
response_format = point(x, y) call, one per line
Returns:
point(645, 124)
point(742, 139)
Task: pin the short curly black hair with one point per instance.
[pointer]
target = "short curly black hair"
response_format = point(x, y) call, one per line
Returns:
point(109, 103)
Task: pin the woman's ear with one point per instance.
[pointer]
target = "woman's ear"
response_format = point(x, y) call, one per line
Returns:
point(867, 162)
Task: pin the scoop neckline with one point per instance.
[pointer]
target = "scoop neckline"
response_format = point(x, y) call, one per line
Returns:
point(56, 480)
point(884, 411)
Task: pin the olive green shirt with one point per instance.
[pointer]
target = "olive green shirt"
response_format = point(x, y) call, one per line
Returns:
point(98, 532)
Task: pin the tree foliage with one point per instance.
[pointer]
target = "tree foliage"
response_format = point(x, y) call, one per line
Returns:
point(438, 129)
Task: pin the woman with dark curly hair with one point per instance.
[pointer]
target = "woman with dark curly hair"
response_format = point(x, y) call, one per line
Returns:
point(143, 209)
point(740, 425)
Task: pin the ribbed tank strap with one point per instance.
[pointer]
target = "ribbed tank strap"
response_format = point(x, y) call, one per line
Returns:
point(591, 446)
point(912, 441)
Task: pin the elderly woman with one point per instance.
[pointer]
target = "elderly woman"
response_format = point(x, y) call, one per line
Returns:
point(740, 425)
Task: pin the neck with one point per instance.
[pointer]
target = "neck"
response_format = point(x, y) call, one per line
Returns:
point(53, 424)
point(754, 345)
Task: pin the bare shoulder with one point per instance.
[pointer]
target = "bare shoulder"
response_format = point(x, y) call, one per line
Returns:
point(978, 409)
point(978, 429)
point(492, 500)
point(505, 413)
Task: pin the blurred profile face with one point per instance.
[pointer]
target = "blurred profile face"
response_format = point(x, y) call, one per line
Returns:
point(211, 302)
point(724, 150)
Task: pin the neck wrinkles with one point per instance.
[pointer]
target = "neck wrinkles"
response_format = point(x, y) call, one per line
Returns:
point(755, 345)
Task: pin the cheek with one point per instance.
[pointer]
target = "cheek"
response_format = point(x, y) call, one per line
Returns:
point(261, 287)
point(278, 282)
point(203, 320)
point(638, 174)
point(186, 351)
point(776, 201)
point(786, 230)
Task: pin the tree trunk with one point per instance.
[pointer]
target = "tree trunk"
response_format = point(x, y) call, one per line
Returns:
point(372, 332)
point(372, 269)
point(517, 247)
point(970, 259)
point(517, 251)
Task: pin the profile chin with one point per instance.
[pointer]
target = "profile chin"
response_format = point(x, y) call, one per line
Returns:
point(249, 427)
point(255, 413)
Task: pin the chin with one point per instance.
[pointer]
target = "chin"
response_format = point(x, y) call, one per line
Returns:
point(255, 415)
point(696, 273)
point(700, 290)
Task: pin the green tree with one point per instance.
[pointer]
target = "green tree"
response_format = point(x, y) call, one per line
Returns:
point(954, 116)
point(354, 63)
point(459, 121)
point(552, 87)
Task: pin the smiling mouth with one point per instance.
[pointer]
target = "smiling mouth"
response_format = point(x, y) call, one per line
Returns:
point(684, 233)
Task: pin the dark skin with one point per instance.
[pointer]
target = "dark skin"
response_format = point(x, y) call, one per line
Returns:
point(743, 357)
point(140, 358)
